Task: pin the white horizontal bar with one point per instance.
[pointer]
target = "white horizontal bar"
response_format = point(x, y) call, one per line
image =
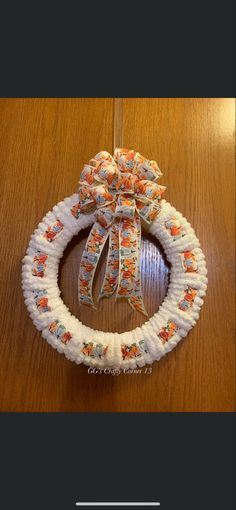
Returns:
point(116, 503)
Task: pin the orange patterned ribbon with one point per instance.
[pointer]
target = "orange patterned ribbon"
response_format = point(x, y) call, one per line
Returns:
point(123, 190)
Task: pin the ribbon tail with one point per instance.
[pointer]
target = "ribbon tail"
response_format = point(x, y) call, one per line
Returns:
point(136, 300)
point(110, 280)
point(93, 249)
point(127, 257)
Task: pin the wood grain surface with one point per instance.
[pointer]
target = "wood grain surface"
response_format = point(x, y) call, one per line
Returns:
point(43, 146)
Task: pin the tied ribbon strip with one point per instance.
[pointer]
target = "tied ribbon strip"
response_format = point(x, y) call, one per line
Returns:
point(123, 189)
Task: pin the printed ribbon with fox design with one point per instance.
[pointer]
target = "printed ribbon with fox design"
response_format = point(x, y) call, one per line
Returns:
point(123, 190)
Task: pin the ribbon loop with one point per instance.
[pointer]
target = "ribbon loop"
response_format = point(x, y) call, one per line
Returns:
point(122, 189)
point(105, 215)
point(101, 195)
point(125, 207)
point(86, 199)
point(106, 173)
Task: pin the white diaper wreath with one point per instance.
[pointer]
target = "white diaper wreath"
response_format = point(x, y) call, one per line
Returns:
point(116, 196)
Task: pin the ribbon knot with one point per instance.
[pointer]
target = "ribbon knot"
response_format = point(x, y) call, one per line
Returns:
point(122, 190)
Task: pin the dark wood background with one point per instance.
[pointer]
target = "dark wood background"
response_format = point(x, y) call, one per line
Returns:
point(43, 146)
